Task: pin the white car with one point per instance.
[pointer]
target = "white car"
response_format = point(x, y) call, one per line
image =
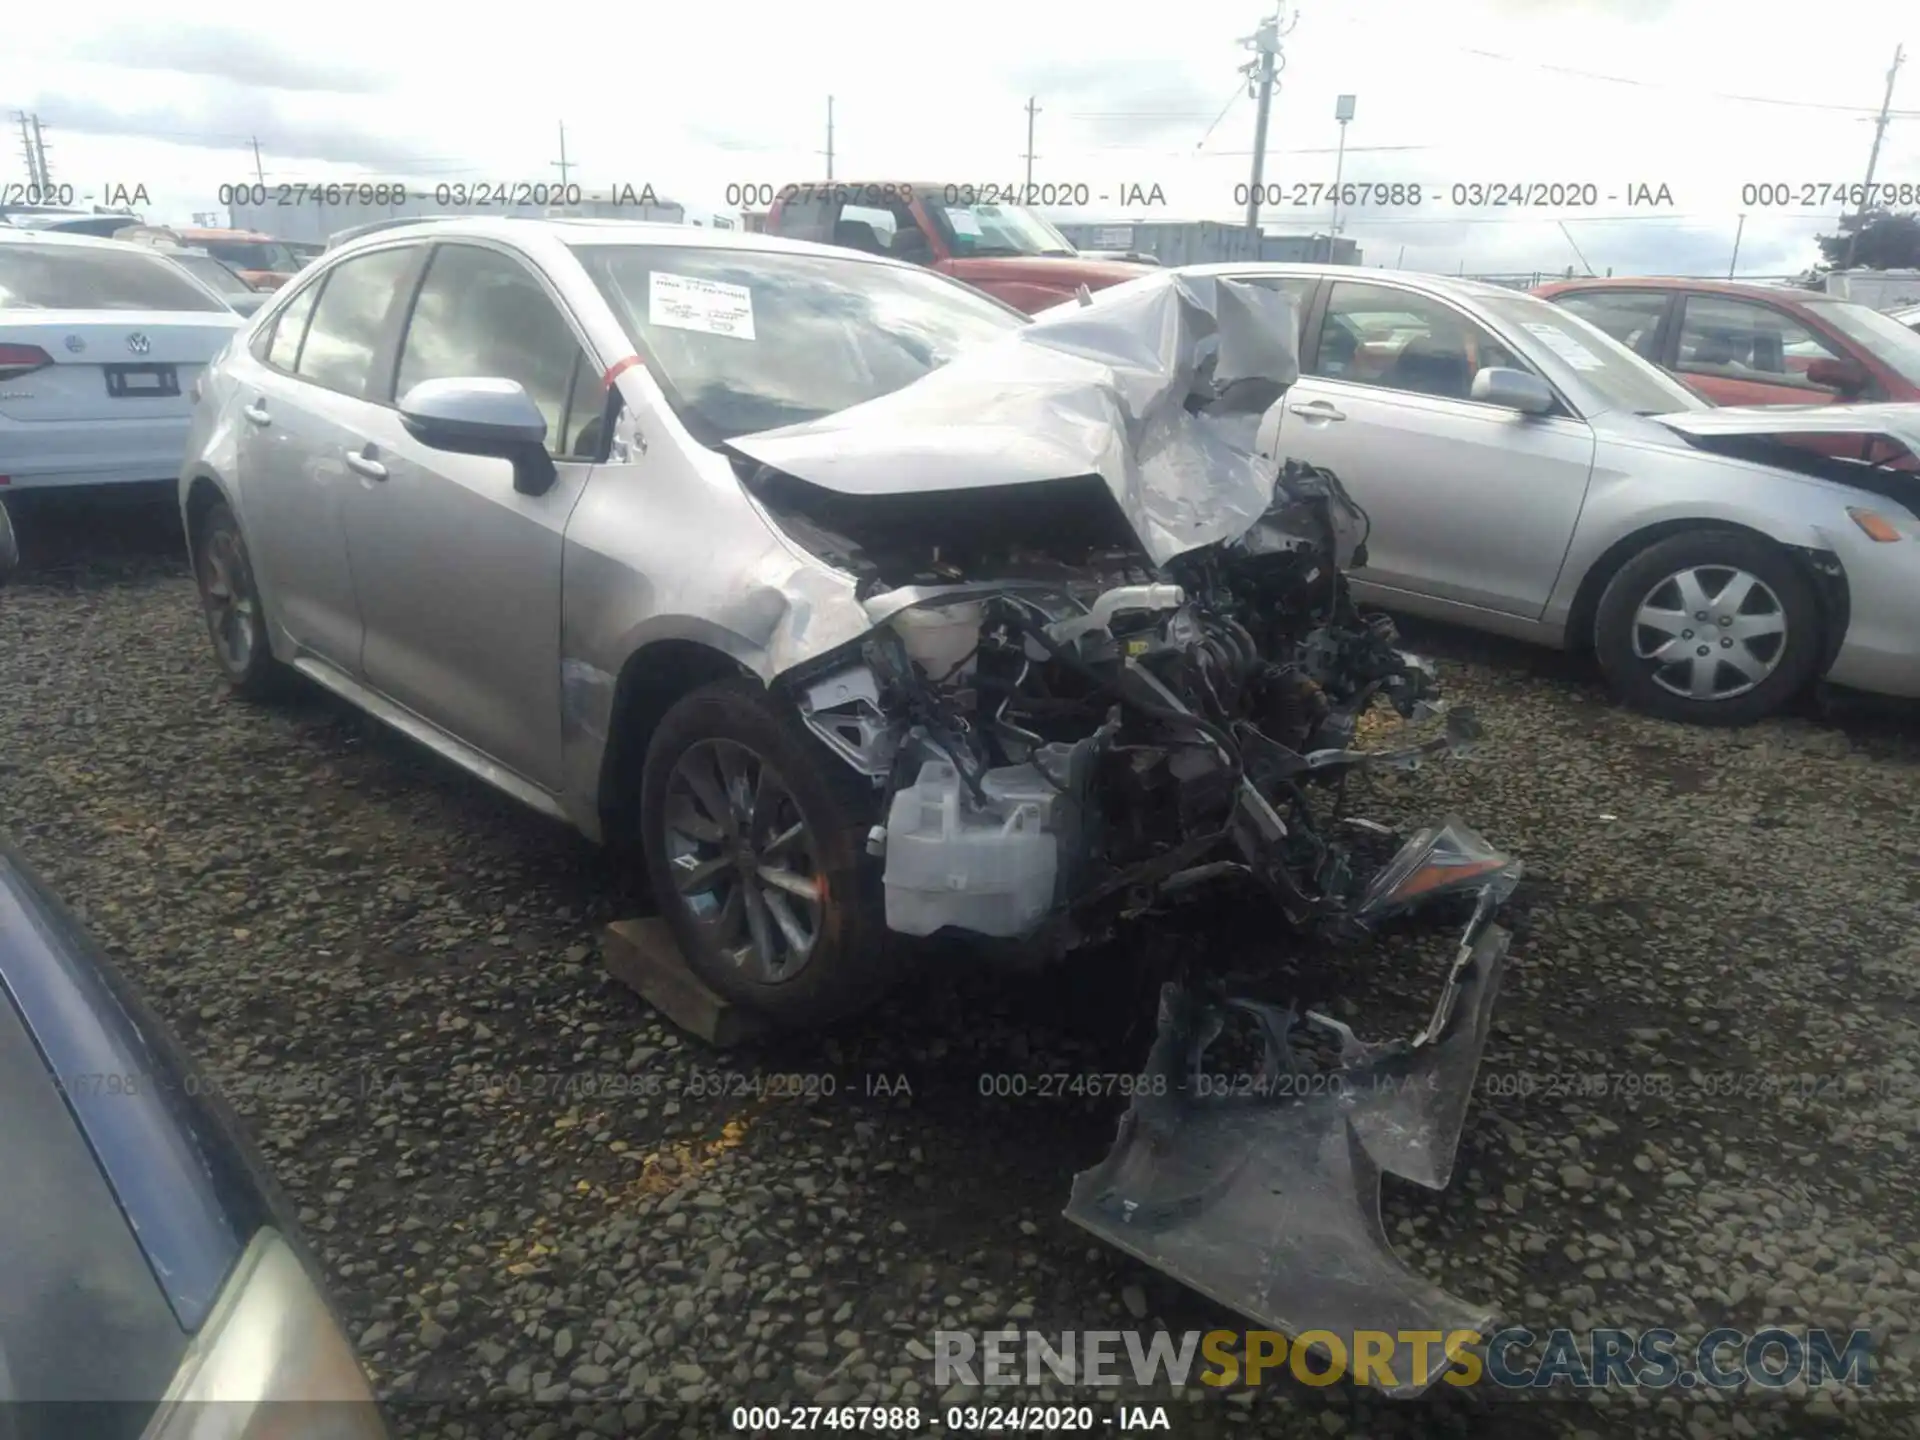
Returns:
point(1908, 316)
point(100, 347)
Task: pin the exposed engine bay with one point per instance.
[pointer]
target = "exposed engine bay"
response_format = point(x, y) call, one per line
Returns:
point(1100, 695)
point(1054, 753)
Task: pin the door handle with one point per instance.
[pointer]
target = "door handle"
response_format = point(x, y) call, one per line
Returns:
point(1317, 410)
point(364, 464)
point(257, 413)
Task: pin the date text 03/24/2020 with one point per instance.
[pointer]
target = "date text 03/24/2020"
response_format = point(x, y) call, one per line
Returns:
point(1461, 194)
point(953, 1419)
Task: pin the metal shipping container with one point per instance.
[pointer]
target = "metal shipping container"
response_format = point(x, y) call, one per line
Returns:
point(1204, 242)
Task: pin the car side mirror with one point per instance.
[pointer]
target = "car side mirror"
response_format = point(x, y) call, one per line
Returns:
point(1848, 377)
point(1512, 390)
point(483, 416)
point(9, 547)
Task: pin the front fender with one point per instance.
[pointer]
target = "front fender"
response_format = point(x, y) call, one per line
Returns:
point(1640, 493)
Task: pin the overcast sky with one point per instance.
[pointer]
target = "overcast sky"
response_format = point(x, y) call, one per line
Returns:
point(690, 98)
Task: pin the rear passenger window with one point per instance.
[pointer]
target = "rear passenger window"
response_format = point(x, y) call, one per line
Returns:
point(350, 318)
point(283, 346)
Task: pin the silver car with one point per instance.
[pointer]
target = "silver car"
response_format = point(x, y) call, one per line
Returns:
point(1528, 475)
point(872, 609)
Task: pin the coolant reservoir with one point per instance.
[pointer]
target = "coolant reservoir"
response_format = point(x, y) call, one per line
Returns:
point(988, 870)
point(941, 637)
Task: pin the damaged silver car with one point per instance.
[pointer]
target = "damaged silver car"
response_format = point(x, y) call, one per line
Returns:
point(872, 612)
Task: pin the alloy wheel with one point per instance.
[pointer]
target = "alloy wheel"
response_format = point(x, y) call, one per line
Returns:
point(227, 591)
point(743, 860)
point(1710, 632)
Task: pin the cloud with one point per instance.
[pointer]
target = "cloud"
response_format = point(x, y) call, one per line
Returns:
point(240, 56)
point(228, 119)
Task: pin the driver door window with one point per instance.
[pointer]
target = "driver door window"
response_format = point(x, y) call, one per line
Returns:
point(1630, 316)
point(1726, 339)
point(482, 314)
point(1398, 340)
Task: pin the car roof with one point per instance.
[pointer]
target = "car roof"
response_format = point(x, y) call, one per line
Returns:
point(204, 233)
point(1421, 280)
point(587, 230)
point(10, 235)
point(1736, 289)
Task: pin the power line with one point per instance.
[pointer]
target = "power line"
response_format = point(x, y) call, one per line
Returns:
point(1663, 85)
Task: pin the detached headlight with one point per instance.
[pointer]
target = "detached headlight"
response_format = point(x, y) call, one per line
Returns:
point(270, 1363)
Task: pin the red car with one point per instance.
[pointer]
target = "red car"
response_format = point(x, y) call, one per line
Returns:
point(1753, 344)
point(1007, 250)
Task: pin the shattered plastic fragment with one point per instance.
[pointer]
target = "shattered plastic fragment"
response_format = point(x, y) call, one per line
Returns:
point(1270, 1203)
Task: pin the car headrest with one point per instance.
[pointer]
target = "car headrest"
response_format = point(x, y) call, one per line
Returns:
point(858, 235)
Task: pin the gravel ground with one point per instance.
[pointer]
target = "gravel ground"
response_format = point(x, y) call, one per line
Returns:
point(1699, 1106)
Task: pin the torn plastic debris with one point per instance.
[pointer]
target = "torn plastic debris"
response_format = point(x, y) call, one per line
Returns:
point(1265, 1196)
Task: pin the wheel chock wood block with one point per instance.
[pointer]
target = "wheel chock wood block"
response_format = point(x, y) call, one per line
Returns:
point(642, 955)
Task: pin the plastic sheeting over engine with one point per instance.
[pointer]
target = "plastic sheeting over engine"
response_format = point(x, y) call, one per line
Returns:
point(1099, 390)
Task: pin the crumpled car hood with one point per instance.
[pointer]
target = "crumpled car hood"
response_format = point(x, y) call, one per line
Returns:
point(1100, 389)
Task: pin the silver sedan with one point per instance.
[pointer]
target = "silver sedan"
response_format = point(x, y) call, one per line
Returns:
point(1528, 475)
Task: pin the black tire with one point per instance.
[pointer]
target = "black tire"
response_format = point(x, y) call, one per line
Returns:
point(1655, 573)
point(848, 963)
point(230, 600)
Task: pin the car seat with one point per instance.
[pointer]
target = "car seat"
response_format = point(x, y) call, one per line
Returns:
point(910, 244)
point(1432, 366)
point(858, 235)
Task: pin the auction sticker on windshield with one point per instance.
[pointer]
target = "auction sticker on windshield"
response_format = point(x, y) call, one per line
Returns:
point(1565, 346)
point(713, 307)
point(963, 222)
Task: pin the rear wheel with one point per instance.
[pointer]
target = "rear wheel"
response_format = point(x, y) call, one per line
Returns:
point(1709, 627)
point(755, 846)
point(236, 621)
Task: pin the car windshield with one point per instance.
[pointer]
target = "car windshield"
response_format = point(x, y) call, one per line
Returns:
point(1621, 379)
point(748, 340)
point(80, 277)
point(252, 254)
point(1881, 336)
point(983, 229)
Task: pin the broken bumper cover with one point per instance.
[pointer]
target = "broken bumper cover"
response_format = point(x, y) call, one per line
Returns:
point(1265, 1196)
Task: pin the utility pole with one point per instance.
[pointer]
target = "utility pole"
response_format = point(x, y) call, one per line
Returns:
point(259, 170)
point(1260, 71)
point(561, 164)
point(829, 137)
point(40, 154)
point(1032, 110)
point(1343, 112)
point(1738, 230)
point(1873, 156)
point(27, 151)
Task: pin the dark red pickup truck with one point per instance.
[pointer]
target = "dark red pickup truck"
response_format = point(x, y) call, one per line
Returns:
point(1006, 250)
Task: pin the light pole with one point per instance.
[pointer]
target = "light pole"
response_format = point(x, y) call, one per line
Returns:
point(1343, 112)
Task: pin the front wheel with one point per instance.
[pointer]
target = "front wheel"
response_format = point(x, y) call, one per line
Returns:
point(754, 836)
point(1708, 627)
point(236, 621)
